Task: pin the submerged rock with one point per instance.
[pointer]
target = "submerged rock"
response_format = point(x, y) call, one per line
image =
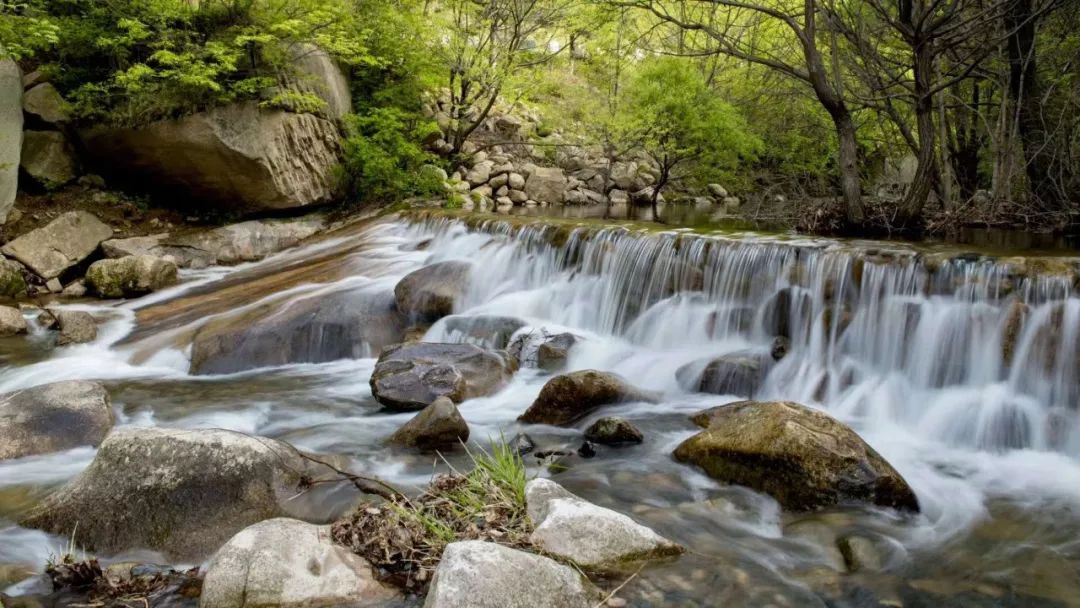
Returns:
point(287, 563)
point(803, 458)
point(612, 430)
point(12, 322)
point(131, 276)
point(477, 574)
point(488, 330)
point(590, 536)
point(60, 244)
point(76, 326)
point(542, 350)
point(436, 426)
point(430, 293)
point(53, 418)
point(177, 491)
point(410, 376)
point(570, 397)
point(734, 374)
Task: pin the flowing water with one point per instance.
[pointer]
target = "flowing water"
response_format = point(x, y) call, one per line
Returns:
point(962, 371)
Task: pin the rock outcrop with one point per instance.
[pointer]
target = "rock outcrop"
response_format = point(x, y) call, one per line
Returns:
point(408, 377)
point(428, 294)
point(802, 457)
point(11, 133)
point(53, 418)
point(130, 277)
point(570, 397)
point(438, 425)
point(288, 563)
point(60, 244)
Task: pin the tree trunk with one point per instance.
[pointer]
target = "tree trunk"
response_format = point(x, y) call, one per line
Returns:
point(911, 208)
point(850, 183)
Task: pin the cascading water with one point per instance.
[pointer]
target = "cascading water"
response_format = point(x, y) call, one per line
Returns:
point(964, 372)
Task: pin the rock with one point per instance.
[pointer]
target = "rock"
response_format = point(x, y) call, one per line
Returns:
point(612, 430)
point(239, 157)
point(75, 289)
point(780, 347)
point(619, 197)
point(408, 377)
point(76, 326)
point(552, 353)
point(438, 425)
point(53, 417)
point(288, 563)
point(717, 191)
point(54, 286)
point(586, 450)
point(522, 444)
point(48, 158)
point(516, 181)
point(318, 73)
point(507, 125)
point(11, 134)
point(44, 104)
point(547, 185)
point(12, 323)
point(12, 282)
point(32, 79)
point(734, 374)
point(499, 181)
point(590, 536)
point(129, 277)
point(59, 245)
point(644, 197)
point(860, 554)
point(570, 397)
point(517, 197)
point(347, 324)
point(801, 457)
point(477, 574)
point(731, 204)
point(485, 330)
point(429, 294)
point(181, 492)
point(479, 174)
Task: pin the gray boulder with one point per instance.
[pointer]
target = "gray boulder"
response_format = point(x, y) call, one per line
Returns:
point(12, 322)
point(438, 425)
point(48, 158)
point(408, 377)
point(430, 293)
point(546, 185)
point(570, 397)
point(288, 563)
point(181, 492)
point(240, 157)
point(132, 276)
point(44, 103)
point(542, 350)
point(76, 326)
point(11, 134)
point(590, 536)
point(53, 418)
point(612, 430)
point(59, 245)
point(477, 574)
point(12, 282)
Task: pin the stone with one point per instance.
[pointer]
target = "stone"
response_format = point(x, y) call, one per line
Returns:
point(287, 563)
point(59, 245)
point(501, 169)
point(317, 72)
point(731, 204)
point(547, 185)
point(802, 457)
point(570, 397)
point(430, 293)
point(734, 374)
point(485, 330)
point(516, 181)
point(504, 202)
point(32, 79)
point(76, 326)
point(644, 197)
point(48, 158)
point(53, 418)
point(44, 104)
point(349, 324)
point(12, 323)
point(238, 157)
point(75, 289)
point(717, 191)
point(587, 535)
point(499, 181)
point(479, 174)
point(517, 197)
point(408, 377)
point(507, 125)
point(542, 350)
point(11, 134)
point(477, 574)
point(182, 492)
point(619, 197)
point(859, 553)
point(625, 176)
point(54, 286)
point(438, 425)
point(129, 277)
point(612, 430)
point(12, 282)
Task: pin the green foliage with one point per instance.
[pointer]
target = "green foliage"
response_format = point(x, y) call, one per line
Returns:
point(384, 157)
point(24, 31)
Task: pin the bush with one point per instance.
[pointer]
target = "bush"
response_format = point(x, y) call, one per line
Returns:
point(383, 157)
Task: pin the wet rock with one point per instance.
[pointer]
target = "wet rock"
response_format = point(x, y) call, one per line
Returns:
point(12, 282)
point(860, 554)
point(787, 311)
point(323, 327)
point(488, 330)
point(288, 563)
point(438, 425)
point(11, 134)
point(76, 326)
point(612, 430)
point(1010, 333)
point(587, 450)
point(734, 374)
point(48, 158)
point(59, 245)
point(181, 492)
point(803, 458)
point(130, 277)
point(408, 377)
point(780, 348)
point(430, 293)
point(12, 322)
point(53, 417)
point(546, 185)
point(522, 444)
point(590, 536)
point(542, 350)
point(570, 397)
point(477, 574)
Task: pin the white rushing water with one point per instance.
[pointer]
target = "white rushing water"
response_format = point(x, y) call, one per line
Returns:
point(963, 373)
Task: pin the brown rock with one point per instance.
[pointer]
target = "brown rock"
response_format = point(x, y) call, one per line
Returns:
point(430, 293)
point(570, 397)
point(410, 376)
point(438, 425)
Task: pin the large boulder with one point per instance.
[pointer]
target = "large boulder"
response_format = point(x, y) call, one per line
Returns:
point(438, 425)
point(315, 71)
point(348, 324)
point(53, 418)
point(48, 158)
point(288, 563)
point(75, 326)
point(802, 457)
point(239, 157)
point(132, 276)
point(570, 397)
point(60, 244)
point(547, 185)
point(734, 374)
point(430, 293)
point(181, 492)
point(408, 377)
point(11, 133)
point(590, 536)
point(12, 281)
point(477, 574)
point(12, 323)
point(44, 104)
